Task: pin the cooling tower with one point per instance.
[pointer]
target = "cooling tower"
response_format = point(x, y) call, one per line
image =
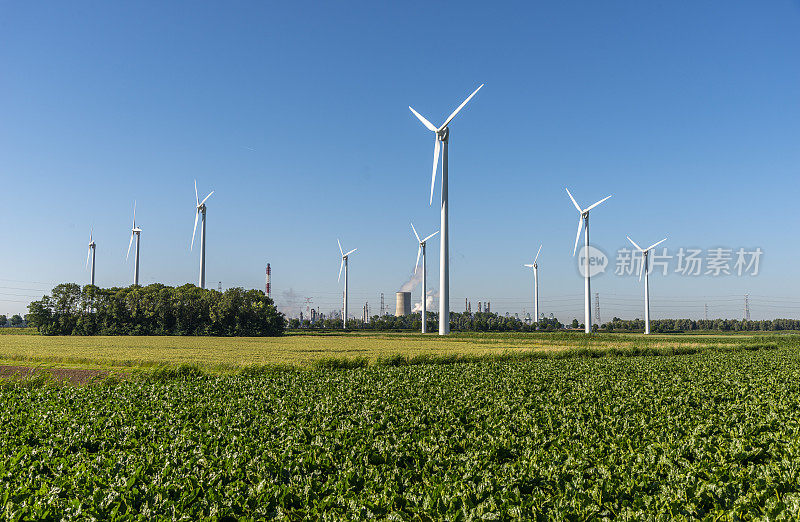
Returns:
point(403, 304)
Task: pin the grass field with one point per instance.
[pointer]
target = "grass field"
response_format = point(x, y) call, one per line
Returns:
point(300, 349)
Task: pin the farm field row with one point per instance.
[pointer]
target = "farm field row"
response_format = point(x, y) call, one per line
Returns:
point(708, 435)
point(302, 349)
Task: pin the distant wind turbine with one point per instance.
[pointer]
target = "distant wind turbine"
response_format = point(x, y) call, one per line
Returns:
point(443, 135)
point(344, 264)
point(583, 220)
point(644, 268)
point(90, 253)
point(421, 250)
point(200, 210)
point(535, 267)
point(135, 231)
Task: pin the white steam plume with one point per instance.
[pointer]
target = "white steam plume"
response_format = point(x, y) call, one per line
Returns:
point(432, 294)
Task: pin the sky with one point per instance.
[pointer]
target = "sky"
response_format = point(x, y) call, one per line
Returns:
point(296, 115)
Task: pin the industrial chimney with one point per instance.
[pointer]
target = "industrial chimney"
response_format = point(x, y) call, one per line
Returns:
point(403, 304)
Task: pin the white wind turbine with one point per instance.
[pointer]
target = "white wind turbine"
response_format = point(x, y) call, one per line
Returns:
point(201, 210)
point(135, 231)
point(90, 253)
point(583, 220)
point(344, 264)
point(644, 267)
point(443, 135)
point(421, 250)
point(535, 267)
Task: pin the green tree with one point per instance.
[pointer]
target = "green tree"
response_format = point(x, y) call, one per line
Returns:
point(16, 320)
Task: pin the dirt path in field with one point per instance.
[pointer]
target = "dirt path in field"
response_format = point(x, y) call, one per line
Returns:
point(72, 375)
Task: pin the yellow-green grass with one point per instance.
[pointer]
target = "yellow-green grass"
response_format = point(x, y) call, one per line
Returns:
point(301, 349)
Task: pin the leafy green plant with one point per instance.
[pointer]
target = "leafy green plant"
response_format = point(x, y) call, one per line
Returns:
point(709, 435)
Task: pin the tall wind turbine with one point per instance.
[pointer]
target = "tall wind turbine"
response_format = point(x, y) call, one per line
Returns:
point(443, 135)
point(344, 264)
point(90, 253)
point(535, 267)
point(583, 220)
point(201, 210)
point(644, 267)
point(421, 250)
point(135, 231)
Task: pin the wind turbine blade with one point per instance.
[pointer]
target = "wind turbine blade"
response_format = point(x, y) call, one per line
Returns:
point(578, 236)
point(415, 232)
point(419, 251)
point(423, 120)
point(427, 238)
point(590, 208)
point(196, 197)
point(435, 164)
point(529, 266)
point(347, 254)
point(91, 232)
point(651, 247)
point(573, 200)
point(449, 119)
point(209, 195)
point(634, 244)
point(129, 247)
point(196, 215)
point(537, 254)
point(340, 247)
point(134, 213)
point(340, 270)
point(88, 253)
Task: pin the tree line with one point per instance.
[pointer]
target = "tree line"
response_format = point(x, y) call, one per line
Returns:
point(459, 322)
point(688, 325)
point(155, 310)
point(16, 320)
point(493, 322)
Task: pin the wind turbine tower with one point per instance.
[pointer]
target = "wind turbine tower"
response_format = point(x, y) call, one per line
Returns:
point(442, 134)
point(583, 220)
point(421, 250)
point(90, 253)
point(200, 210)
point(344, 265)
point(135, 231)
point(535, 266)
point(645, 268)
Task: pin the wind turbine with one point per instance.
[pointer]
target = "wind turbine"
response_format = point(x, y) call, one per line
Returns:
point(201, 209)
point(443, 135)
point(583, 220)
point(421, 250)
point(643, 267)
point(344, 264)
point(535, 267)
point(90, 253)
point(135, 231)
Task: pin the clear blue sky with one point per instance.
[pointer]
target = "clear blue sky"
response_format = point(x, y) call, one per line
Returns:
point(296, 114)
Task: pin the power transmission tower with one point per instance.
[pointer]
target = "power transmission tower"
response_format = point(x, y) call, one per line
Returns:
point(382, 306)
point(746, 307)
point(597, 308)
point(705, 306)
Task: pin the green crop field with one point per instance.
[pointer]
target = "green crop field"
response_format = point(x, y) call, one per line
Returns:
point(713, 435)
point(302, 349)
